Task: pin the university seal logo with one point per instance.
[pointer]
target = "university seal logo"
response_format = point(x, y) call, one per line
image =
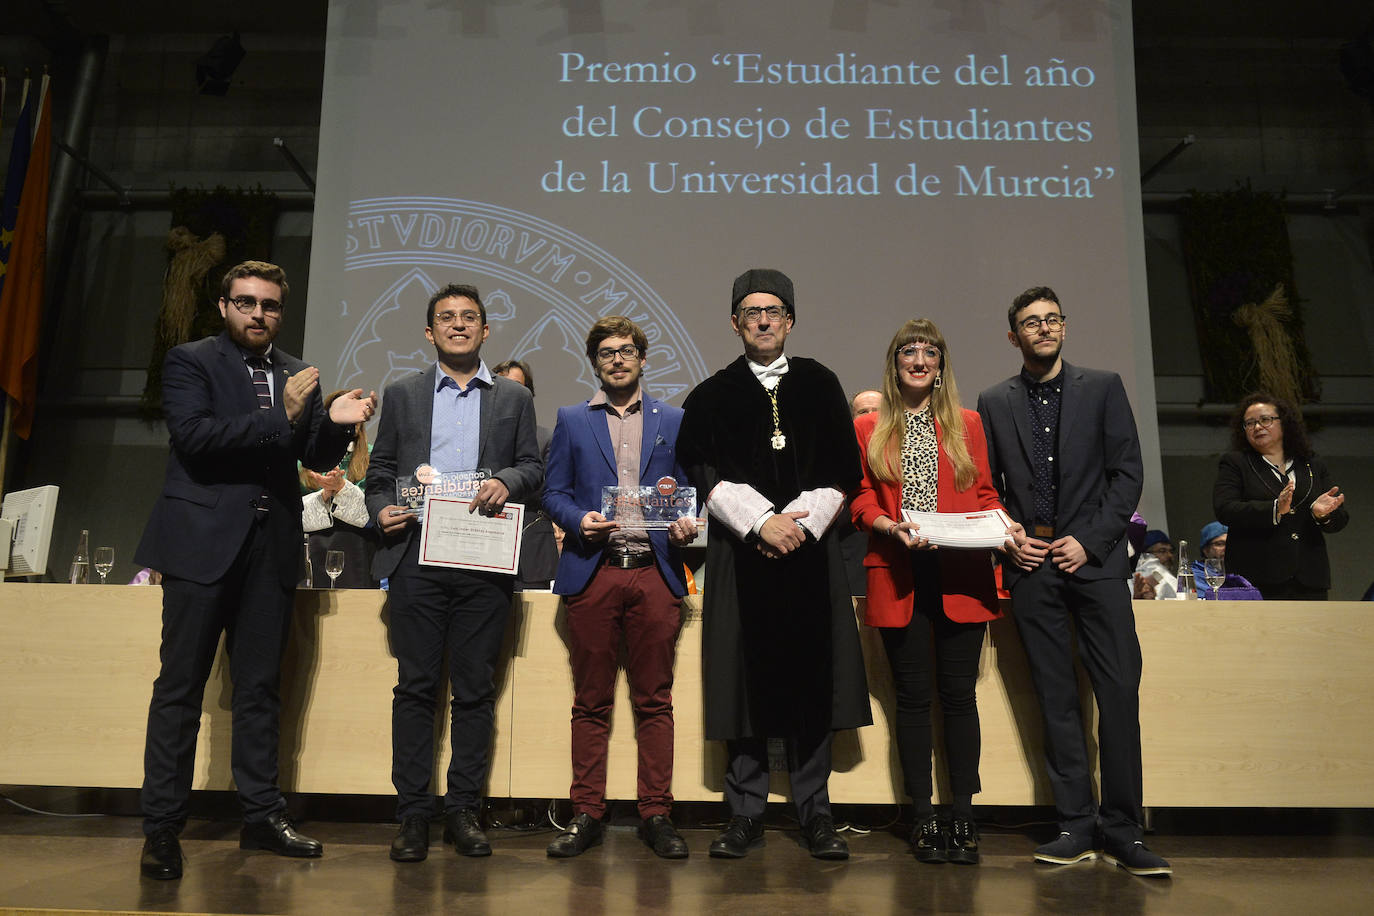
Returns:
point(543, 287)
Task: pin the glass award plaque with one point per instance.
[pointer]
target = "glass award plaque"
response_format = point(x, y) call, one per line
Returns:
point(649, 507)
point(413, 491)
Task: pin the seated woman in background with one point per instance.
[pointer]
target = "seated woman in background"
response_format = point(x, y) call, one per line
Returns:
point(334, 514)
point(1278, 502)
point(923, 451)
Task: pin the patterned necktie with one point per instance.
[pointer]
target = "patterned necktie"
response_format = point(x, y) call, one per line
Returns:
point(260, 384)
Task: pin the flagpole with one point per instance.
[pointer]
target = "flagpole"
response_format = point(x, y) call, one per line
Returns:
point(5, 446)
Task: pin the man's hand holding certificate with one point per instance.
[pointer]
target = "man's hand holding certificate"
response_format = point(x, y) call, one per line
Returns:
point(961, 530)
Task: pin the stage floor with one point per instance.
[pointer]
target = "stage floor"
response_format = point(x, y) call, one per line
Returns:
point(86, 865)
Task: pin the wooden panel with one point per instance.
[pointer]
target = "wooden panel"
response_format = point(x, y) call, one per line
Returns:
point(1242, 703)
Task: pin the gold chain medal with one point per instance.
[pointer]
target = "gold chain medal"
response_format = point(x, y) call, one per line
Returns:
point(779, 441)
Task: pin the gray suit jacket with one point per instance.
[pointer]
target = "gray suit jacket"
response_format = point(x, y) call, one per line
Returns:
point(508, 448)
point(1100, 469)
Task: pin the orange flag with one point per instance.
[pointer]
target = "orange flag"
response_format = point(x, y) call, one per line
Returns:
point(21, 300)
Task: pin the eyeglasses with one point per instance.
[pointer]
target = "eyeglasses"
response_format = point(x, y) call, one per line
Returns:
point(909, 352)
point(249, 304)
point(607, 354)
point(1262, 422)
point(1032, 324)
point(468, 319)
point(751, 314)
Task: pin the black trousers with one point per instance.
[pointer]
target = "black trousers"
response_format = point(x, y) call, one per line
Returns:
point(957, 648)
point(252, 608)
point(808, 769)
point(437, 611)
point(1048, 605)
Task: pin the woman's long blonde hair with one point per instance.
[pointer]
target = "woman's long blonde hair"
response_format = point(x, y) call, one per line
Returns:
point(357, 462)
point(885, 446)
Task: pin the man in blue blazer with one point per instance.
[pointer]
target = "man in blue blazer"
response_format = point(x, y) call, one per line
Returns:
point(617, 579)
point(455, 416)
point(1065, 457)
point(226, 533)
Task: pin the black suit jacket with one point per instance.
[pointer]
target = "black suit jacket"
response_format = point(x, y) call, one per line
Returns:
point(227, 452)
point(1263, 552)
point(507, 447)
point(1100, 469)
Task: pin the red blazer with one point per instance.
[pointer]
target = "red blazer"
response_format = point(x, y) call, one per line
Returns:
point(970, 593)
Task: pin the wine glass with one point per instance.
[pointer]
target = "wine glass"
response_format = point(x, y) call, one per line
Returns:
point(104, 562)
point(1214, 571)
point(333, 565)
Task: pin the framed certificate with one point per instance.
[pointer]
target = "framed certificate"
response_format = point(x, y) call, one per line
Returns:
point(452, 536)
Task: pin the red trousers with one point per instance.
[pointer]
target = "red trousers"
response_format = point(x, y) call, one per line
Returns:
point(637, 604)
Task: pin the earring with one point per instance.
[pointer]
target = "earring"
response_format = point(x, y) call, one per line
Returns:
point(939, 381)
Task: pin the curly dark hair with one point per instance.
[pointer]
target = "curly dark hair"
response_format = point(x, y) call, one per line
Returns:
point(1295, 442)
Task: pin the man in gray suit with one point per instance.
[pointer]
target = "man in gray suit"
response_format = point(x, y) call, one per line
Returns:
point(1065, 457)
point(453, 417)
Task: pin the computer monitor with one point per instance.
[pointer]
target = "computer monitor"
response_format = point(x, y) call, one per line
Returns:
point(31, 512)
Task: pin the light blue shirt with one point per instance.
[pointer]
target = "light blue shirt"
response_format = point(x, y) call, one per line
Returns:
point(455, 431)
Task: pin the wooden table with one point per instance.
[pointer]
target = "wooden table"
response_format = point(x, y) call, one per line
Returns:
point(1243, 704)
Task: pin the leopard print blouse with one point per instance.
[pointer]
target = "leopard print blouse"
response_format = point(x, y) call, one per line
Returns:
point(920, 465)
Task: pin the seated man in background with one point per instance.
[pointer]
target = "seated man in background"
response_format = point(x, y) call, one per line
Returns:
point(1156, 573)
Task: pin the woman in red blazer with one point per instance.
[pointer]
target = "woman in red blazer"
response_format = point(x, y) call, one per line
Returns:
point(923, 451)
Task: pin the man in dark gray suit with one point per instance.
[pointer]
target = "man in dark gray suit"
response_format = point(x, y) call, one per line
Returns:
point(453, 417)
point(1065, 457)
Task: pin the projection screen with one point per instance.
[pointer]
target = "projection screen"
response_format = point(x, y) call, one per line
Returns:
point(573, 160)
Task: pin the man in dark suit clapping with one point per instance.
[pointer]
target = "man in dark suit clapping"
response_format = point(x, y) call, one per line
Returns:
point(226, 534)
point(455, 416)
point(1065, 457)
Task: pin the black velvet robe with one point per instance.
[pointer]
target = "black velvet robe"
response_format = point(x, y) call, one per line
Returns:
point(780, 643)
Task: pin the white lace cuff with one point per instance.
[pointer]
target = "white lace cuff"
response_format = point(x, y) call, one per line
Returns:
point(822, 505)
point(739, 507)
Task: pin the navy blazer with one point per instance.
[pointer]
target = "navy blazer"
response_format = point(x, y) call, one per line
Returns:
point(1265, 551)
point(582, 461)
point(507, 447)
point(1100, 469)
point(227, 452)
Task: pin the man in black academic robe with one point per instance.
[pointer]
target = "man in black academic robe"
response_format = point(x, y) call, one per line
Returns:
point(769, 444)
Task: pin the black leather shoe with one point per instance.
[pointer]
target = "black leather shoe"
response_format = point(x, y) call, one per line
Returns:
point(582, 833)
point(161, 855)
point(659, 834)
point(929, 842)
point(462, 830)
point(740, 835)
point(963, 841)
point(412, 840)
point(823, 840)
point(277, 834)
